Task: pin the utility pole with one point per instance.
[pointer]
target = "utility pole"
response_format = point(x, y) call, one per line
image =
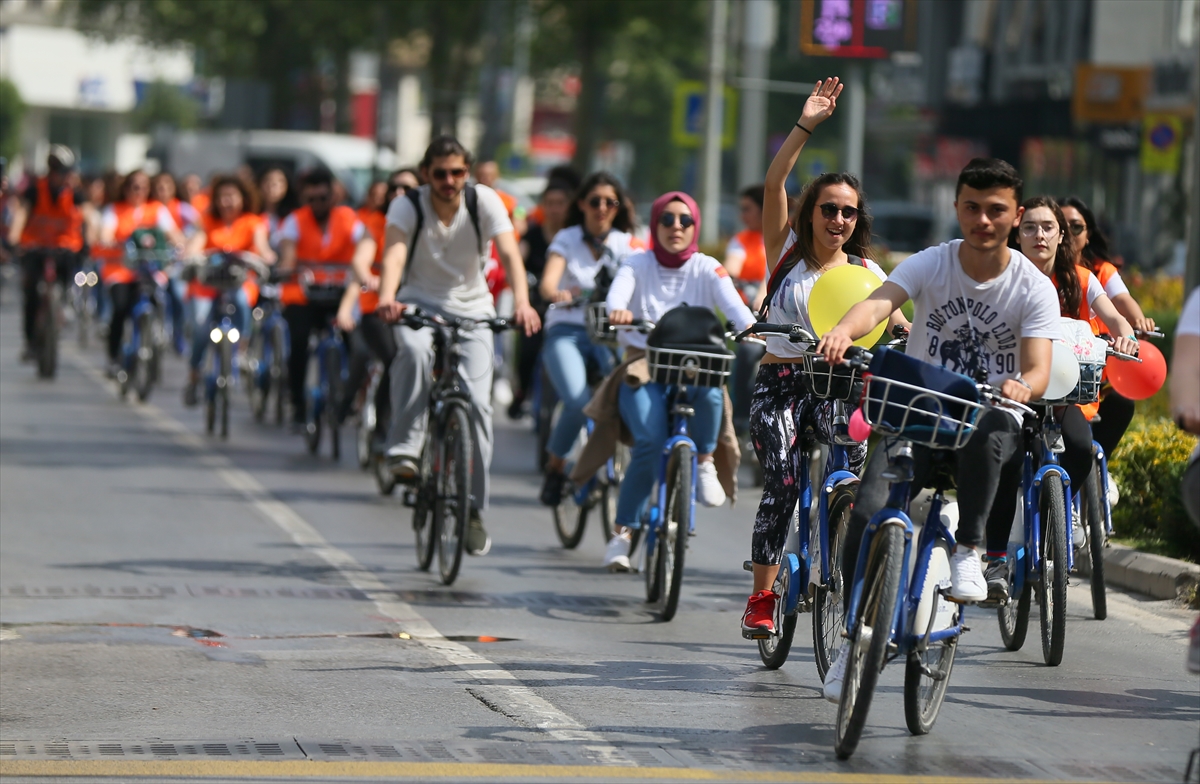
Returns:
point(856, 117)
point(758, 35)
point(714, 116)
point(523, 87)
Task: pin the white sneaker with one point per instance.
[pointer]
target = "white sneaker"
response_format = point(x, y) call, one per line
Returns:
point(708, 488)
point(616, 555)
point(966, 576)
point(1114, 492)
point(837, 673)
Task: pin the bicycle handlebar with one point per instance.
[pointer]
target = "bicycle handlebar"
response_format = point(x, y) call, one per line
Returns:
point(415, 318)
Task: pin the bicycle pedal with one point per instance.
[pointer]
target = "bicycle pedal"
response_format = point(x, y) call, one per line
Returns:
point(410, 498)
point(747, 566)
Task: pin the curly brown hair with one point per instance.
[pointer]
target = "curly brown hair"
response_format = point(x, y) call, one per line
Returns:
point(250, 200)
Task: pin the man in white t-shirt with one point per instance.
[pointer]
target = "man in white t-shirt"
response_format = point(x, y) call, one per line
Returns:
point(984, 310)
point(445, 276)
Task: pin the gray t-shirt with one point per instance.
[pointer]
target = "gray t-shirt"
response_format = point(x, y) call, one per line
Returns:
point(446, 271)
point(964, 325)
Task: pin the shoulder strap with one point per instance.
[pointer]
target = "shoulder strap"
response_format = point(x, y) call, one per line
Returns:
point(856, 260)
point(414, 197)
point(781, 271)
point(472, 197)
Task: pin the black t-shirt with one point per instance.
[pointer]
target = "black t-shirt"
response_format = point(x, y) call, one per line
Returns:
point(536, 244)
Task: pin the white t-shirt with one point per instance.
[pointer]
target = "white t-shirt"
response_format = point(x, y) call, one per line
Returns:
point(446, 272)
point(648, 290)
point(964, 325)
point(290, 230)
point(1094, 289)
point(790, 303)
point(163, 221)
point(1115, 286)
point(582, 266)
point(1189, 319)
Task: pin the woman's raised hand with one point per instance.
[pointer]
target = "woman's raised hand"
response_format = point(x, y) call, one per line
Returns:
point(821, 102)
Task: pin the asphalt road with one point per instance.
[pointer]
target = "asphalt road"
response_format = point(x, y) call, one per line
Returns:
point(183, 608)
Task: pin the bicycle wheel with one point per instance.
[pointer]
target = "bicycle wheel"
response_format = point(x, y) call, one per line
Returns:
point(829, 615)
point(83, 315)
point(870, 636)
point(672, 542)
point(224, 382)
point(50, 317)
point(927, 672)
point(277, 372)
point(335, 384)
point(1092, 514)
point(424, 501)
point(453, 508)
point(1052, 588)
point(142, 371)
point(545, 419)
point(610, 491)
point(570, 517)
point(365, 430)
point(1014, 616)
point(210, 406)
point(129, 359)
point(256, 371)
point(774, 649)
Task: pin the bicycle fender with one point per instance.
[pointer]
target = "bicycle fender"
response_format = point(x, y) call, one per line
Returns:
point(1052, 467)
point(839, 479)
point(792, 564)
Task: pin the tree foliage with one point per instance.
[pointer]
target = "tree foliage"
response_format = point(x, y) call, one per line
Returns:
point(12, 109)
point(164, 105)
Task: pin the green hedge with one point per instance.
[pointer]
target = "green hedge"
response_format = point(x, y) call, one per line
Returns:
point(1148, 467)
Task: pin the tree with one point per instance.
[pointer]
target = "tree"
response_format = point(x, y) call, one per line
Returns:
point(12, 109)
point(164, 104)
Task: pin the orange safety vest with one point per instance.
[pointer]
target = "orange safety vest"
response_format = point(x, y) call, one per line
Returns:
point(236, 237)
point(376, 223)
point(312, 247)
point(754, 268)
point(201, 202)
point(1104, 272)
point(1085, 314)
point(129, 220)
point(54, 223)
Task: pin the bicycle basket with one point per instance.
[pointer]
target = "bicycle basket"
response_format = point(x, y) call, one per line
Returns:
point(595, 315)
point(919, 402)
point(1091, 353)
point(830, 382)
point(223, 274)
point(1091, 376)
point(687, 348)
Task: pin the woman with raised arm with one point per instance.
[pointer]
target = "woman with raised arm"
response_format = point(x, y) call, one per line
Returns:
point(831, 229)
point(596, 236)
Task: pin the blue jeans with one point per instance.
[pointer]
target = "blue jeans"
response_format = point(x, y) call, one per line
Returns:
point(644, 411)
point(565, 354)
point(201, 309)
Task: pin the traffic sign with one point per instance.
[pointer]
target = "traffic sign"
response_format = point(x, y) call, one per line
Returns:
point(687, 116)
point(1162, 143)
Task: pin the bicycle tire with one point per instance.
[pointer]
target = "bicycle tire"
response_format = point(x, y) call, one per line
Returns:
point(83, 316)
point(881, 588)
point(210, 409)
point(49, 318)
point(256, 373)
point(774, 649)
point(610, 491)
point(676, 531)
point(1014, 616)
point(453, 509)
point(365, 431)
point(570, 518)
point(425, 500)
point(548, 401)
point(923, 692)
point(1052, 587)
point(1092, 510)
point(829, 613)
point(225, 382)
point(129, 358)
point(334, 383)
point(143, 368)
point(277, 373)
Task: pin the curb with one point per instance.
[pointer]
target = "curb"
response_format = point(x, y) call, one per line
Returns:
point(1156, 576)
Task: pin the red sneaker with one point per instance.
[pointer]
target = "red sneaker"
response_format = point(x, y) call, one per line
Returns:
point(759, 618)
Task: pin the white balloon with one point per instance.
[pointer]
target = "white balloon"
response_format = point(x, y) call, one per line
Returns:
point(1064, 372)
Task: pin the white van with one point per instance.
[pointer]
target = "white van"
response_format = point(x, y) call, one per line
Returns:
point(353, 160)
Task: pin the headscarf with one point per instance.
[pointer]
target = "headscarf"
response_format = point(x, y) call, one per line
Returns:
point(664, 256)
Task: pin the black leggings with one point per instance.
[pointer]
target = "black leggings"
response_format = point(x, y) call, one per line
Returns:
point(987, 472)
point(1116, 413)
point(123, 297)
point(1077, 437)
point(372, 338)
point(780, 410)
point(301, 321)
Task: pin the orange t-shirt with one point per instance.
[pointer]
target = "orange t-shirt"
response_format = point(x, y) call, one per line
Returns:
point(375, 223)
point(236, 237)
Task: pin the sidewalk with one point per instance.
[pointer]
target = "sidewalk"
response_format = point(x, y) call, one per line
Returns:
point(1153, 575)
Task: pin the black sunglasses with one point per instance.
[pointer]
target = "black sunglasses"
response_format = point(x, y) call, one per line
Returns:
point(1077, 228)
point(829, 211)
point(441, 174)
point(667, 221)
point(602, 202)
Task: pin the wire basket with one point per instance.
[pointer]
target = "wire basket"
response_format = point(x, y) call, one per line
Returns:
point(933, 419)
point(595, 315)
point(682, 367)
point(830, 382)
point(1091, 376)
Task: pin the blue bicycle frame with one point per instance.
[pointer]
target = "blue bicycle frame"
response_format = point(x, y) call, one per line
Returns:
point(267, 325)
point(221, 319)
point(653, 517)
point(320, 394)
point(1026, 556)
point(145, 303)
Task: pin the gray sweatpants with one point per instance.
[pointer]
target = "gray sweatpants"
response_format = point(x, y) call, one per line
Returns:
point(412, 379)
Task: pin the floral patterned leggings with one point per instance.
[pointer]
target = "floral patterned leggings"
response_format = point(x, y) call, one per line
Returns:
point(781, 409)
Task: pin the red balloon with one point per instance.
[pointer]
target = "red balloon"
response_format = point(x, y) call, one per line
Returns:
point(1138, 380)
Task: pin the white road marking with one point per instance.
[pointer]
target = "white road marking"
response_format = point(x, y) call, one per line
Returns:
point(519, 701)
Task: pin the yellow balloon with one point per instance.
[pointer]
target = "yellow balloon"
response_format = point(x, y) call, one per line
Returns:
point(838, 290)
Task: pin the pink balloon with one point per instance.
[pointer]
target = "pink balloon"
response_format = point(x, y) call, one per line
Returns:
point(859, 429)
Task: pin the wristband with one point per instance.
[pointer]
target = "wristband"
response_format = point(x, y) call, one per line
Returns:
point(1132, 337)
point(1022, 382)
point(801, 127)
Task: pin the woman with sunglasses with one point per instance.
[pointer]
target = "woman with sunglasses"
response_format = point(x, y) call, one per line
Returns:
point(647, 286)
point(1091, 250)
point(1042, 236)
point(831, 229)
point(596, 236)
